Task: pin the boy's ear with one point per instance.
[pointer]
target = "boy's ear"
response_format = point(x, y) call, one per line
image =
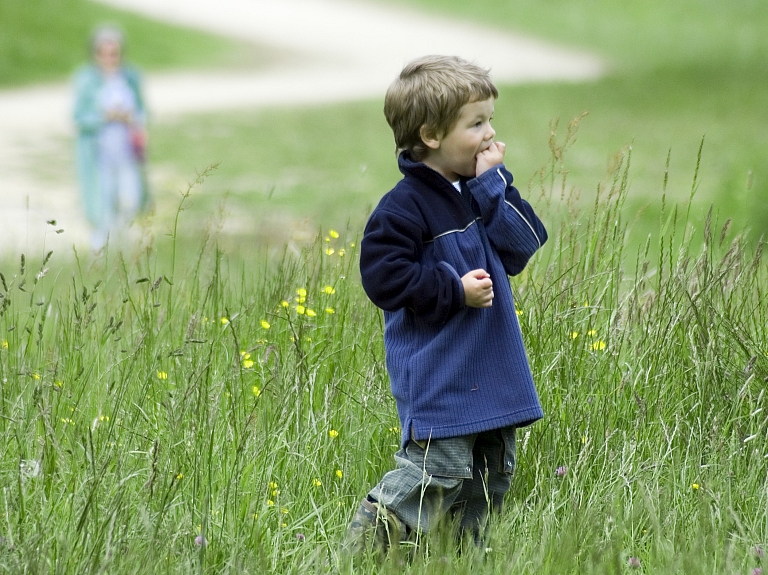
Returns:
point(429, 137)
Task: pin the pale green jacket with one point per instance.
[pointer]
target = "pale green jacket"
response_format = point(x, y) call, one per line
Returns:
point(89, 120)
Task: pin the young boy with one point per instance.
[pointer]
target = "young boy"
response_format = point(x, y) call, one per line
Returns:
point(435, 257)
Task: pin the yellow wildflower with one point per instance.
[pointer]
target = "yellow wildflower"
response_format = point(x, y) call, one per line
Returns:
point(339, 473)
point(103, 418)
point(58, 383)
point(162, 375)
point(330, 310)
point(330, 290)
point(270, 503)
point(36, 376)
point(244, 354)
point(330, 251)
point(224, 321)
point(255, 389)
point(352, 245)
point(273, 484)
point(179, 476)
point(300, 309)
point(302, 292)
point(284, 511)
point(265, 324)
point(333, 233)
point(518, 312)
point(4, 345)
point(275, 492)
point(327, 239)
point(333, 433)
point(284, 303)
point(597, 346)
point(342, 251)
point(283, 524)
point(316, 482)
point(574, 334)
point(248, 363)
point(695, 486)
point(311, 312)
point(591, 333)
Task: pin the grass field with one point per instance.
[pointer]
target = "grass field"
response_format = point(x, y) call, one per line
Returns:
point(679, 73)
point(219, 403)
point(285, 172)
point(155, 400)
point(44, 40)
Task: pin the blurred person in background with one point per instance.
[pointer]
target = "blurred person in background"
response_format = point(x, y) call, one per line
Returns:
point(110, 118)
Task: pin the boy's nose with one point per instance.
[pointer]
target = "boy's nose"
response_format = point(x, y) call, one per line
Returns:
point(491, 133)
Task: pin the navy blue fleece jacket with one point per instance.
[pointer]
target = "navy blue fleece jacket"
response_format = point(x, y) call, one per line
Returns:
point(454, 370)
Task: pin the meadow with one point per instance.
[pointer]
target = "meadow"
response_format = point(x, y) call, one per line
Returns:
point(194, 412)
point(215, 399)
point(678, 72)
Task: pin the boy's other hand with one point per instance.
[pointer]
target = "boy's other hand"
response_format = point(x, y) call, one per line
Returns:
point(478, 289)
point(493, 156)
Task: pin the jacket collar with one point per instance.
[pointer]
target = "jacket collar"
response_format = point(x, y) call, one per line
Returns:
point(437, 182)
point(419, 170)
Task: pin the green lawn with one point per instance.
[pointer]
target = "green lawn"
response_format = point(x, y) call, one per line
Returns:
point(636, 37)
point(44, 40)
point(206, 388)
point(679, 72)
point(316, 164)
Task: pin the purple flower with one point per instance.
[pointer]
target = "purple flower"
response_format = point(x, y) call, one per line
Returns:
point(634, 562)
point(561, 471)
point(757, 571)
point(758, 550)
point(200, 541)
point(300, 536)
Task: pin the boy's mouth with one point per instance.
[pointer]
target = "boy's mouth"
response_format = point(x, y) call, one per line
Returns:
point(485, 147)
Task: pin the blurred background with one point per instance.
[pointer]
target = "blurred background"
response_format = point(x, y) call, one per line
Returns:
point(286, 98)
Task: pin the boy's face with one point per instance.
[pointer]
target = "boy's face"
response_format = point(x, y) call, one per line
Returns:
point(455, 153)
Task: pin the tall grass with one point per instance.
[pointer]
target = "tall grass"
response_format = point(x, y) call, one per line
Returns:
point(213, 415)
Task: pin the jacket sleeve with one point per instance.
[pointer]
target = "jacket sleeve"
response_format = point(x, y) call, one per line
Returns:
point(513, 228)
point(87, 115)
point(394, 276)
point(133, 77)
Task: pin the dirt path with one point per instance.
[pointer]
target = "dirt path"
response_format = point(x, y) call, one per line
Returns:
point(340, 50)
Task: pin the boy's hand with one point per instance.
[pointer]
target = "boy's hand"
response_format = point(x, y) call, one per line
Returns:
point(478, 289)
point(493, 156)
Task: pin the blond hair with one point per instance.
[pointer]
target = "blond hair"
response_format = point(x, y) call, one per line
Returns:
point(430, 92)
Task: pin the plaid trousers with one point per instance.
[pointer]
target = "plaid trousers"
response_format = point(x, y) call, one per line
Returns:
point(466, 476)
